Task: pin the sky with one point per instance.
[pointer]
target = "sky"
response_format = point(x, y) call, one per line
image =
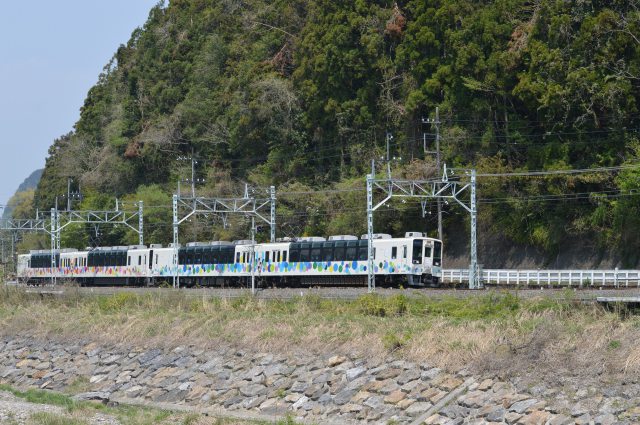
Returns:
point(51, 53)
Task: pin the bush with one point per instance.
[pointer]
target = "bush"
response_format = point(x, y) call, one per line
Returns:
point(393, 341)
point(371, 305)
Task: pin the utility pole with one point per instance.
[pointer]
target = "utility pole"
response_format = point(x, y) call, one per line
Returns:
point(68, 193)
point(436, 123)
point(193, 175)
point(192, 180)
point(389, 138)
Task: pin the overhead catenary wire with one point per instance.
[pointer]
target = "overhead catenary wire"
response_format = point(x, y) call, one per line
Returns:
point(560, 172)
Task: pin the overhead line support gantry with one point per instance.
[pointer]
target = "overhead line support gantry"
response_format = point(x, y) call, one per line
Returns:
point(449, 187)
point(247, 206)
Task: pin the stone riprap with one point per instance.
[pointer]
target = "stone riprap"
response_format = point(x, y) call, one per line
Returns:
point(336, 389)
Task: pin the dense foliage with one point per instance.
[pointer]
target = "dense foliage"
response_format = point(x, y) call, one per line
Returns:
point(301, 93)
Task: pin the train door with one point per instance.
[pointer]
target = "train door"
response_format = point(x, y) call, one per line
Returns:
point(437, 253)
point(149, 278)
point(416, 257)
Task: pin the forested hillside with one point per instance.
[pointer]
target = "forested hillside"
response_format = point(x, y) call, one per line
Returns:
point(23, 197)
point(300, 94)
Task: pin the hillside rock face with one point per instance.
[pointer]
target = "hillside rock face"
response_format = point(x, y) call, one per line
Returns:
point(333, 389)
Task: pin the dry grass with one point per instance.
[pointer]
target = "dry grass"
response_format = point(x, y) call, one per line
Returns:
point(493, 333)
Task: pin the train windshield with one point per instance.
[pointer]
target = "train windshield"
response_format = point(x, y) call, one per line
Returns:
point(417, 251)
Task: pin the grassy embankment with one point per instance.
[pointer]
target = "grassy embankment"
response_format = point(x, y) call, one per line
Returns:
point(77, 413)
point(494, 332)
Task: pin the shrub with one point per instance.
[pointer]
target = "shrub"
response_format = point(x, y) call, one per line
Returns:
point(371, 305)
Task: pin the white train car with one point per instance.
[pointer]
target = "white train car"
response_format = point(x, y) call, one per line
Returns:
point(414, 260)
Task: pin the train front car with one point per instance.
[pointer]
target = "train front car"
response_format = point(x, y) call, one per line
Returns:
point(22, 272)
point(35, 267)
point(415, 260)
point(426, 260)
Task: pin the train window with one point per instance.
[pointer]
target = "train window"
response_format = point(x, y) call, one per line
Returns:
point(266, 256)
point(316, 252)
point(394, 252)
point(427, 252)
point(374, 253)
point(304, 254)
point(338, 251)
point(214, 257)
point(139, 260)
point(205, 253)
point(404, 251)
point(327, 251)
point(351, 253)
point(363, 249)
point(294, 252)
point(277, 256)
point(237, 257)
point(284, 256)
point(417, 251)
point(228, 256)
point(156, 259)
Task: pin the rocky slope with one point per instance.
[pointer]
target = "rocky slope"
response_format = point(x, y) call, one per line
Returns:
point(312, 389)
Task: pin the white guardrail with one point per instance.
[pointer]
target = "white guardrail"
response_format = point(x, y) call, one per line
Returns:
point(580, 278)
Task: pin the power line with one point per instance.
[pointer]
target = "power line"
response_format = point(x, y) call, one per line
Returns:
point(561, 172)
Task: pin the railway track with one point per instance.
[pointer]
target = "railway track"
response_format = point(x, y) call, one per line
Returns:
point(338, 293)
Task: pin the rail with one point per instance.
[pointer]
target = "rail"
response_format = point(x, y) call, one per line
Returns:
point(570, 278)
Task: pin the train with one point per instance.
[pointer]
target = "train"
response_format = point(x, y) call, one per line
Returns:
point(413, 260)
